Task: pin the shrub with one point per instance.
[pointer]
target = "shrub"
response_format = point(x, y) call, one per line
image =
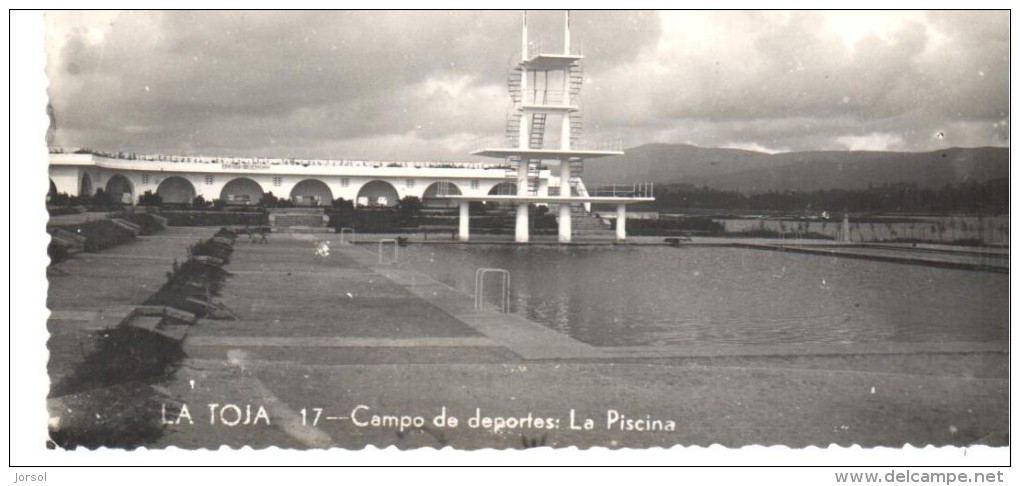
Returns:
point(211, 248)
point(57, 253)
point(124, 354)
point(193, 279)
point(200, 203)
point(148, 222)
point(341, 203)
point(674, 227)
point(102, 234)
point(149, 199)
point(269, 200)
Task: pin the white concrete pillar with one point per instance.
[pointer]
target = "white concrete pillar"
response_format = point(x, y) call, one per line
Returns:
point(566, 34)
point(465, 218)
point(565, 223)
point(521, 230)
point(524, 36)
point(846, 228)
point(523, 129)
point(522, 177)
point(565, 178)
point(621, 222)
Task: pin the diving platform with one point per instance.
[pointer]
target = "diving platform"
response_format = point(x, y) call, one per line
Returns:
point(546, 62)
point(538, 199)
point(544, 153)
point(523, 201)
point(545, 90)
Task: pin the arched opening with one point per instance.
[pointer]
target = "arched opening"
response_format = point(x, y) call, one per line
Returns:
point(311, 192)
point(431, 199)
point(504, 189)
point(241, 191)
point(120, 190)
point(378, 194)
point(176, 190)
point(85, 188)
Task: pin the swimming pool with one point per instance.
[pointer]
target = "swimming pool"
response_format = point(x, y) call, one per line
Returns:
point(645, 295)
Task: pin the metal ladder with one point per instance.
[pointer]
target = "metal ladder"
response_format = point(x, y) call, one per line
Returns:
point(534, 171)
point(513, 127)
point(576, 126)
point(513, 84)
point(514, 113)
point(576, 82)
point(576, 168)
point(537, 136)
point(576, 78)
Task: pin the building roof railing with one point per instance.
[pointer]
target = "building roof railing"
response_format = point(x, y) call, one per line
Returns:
point(271, 161)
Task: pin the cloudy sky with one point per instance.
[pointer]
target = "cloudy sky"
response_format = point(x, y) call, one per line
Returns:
point(426, 85)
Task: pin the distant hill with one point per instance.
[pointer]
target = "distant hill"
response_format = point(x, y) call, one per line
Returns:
point(756, 172)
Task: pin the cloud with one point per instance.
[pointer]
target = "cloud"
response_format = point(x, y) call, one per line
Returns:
point(328, 84)
point(872, 141)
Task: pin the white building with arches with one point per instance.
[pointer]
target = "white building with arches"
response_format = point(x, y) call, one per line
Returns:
point(244, 181)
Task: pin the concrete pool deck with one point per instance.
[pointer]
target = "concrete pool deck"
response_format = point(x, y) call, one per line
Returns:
point(341, 331)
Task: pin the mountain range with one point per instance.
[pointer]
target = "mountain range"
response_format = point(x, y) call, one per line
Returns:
point(753, 172)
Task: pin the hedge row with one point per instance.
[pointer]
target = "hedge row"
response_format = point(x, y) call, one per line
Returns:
point(215, 218)
point(195, 278)
point(150, 223)
point(674, 227)
point(103, 234)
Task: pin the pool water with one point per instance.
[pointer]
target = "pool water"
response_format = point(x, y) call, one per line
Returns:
point(644, 295)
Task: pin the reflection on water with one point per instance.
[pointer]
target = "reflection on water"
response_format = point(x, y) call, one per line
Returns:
point(628, 295)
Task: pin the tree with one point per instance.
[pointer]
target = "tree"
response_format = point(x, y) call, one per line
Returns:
point(341, 203)
point(100, 198)
point(269, 200)
point(408, 210)
point(200, 203)
point(150, 199)
point(410, 205)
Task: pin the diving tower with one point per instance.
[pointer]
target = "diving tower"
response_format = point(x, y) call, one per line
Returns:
point(544, 126)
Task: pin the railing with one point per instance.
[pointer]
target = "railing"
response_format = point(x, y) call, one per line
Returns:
point(606, 144)
point(480, 274)
point(548, 97)
point(443, 188)
point(489, 142)
point(382, 243)
point(344, 232)
point(582, 191)
point(644, 189)
point(266, 162)
point(553, 47)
